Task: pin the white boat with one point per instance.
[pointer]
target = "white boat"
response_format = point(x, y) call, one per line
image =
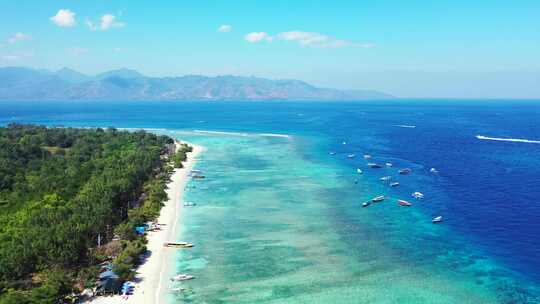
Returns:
point(433, 170)
point(189, 204)
point(332, 153)
point(437, 219)
point(374, 165)
point(359, 171)
point(389, 164)
point(367, 156)
point(418, 195)
point(405, 171)
point(182, 277)
point(394, 184)
point(385, 178)
point(366, 204)
point(344, 142)
point(352, 155)
point(377, 199)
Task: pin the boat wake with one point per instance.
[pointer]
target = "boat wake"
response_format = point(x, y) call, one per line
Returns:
point(508, 139)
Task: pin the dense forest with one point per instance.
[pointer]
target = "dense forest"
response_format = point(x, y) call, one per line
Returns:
point(63, 190)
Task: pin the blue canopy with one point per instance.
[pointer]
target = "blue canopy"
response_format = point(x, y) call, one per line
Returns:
point(109, 274)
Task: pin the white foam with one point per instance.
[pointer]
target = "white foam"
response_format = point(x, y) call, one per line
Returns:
point(521, 140)
point(221, 133)
point(274, 135)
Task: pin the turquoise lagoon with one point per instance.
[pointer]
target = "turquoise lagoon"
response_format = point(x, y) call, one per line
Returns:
point(275, 223)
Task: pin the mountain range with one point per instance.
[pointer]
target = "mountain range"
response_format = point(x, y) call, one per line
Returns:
point(18, 83)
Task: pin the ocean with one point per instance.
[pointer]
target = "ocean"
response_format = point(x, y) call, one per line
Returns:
point(279, 219)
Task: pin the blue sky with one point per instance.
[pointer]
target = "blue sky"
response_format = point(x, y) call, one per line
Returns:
point(406, 48)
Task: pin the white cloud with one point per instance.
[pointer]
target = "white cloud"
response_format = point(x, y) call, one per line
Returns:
point(18, 37)
point(77, 51)
point(64, 18)
point(16, 56)
point(254, 37)
point(107, 22)
point(313, 39)
point(225, 28)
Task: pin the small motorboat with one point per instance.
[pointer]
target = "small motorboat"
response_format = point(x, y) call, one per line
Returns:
point(404, 203)
point(377, 199)
point(352, 155)
point(385, 178)
point(367, 156)
point(344, 142)
point(366, 204)
point(433, 170)
point(374, 165)
point(389, 164)
point(405, 171)
point(437, 219)
point(394, 184)
point(182, 277)
point(418, 195)
point(332, 153)
point(198, 176)
point(189, 204)
point(359, 171)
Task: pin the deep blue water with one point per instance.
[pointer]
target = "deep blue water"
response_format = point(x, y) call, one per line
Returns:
point(487, 191)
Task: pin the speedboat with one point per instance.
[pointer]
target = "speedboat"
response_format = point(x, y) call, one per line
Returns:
point(182, 277)
point(405, 171)
point(332, 153)
point(366, 204)
point(189, 204)
point(367, 156)
point(374, 165)
point(404, 203)
point(437, 219)
point(433, 170)
point(389, 164)
point(352, 155)
point(377, 199)
point(418, 195)
point(385, 178)
point(394, 184)
point(359, 171)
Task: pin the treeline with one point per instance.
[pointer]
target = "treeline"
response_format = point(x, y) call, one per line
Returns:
point(64, 189)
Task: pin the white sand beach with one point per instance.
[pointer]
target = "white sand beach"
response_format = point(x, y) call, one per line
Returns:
point(150, 278)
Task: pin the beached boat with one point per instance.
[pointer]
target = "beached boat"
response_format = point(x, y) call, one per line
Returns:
point(404, 203)
point(365, 204)
point(394, 184)
point(374, 165)
point(405, 171)
point(377, 199)
point(418, 195)
point(182, 277)
point(437, 219)
point(178, 244)
point(359, 171)
point(352, 155)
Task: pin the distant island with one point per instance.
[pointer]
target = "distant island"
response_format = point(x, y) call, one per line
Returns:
point(18, 83)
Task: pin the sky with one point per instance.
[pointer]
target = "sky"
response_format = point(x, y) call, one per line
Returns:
point(443, 48)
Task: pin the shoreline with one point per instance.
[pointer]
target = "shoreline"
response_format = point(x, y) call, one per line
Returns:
point(149, 281)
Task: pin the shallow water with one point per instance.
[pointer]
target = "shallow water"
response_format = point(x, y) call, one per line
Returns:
point(279, 220)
